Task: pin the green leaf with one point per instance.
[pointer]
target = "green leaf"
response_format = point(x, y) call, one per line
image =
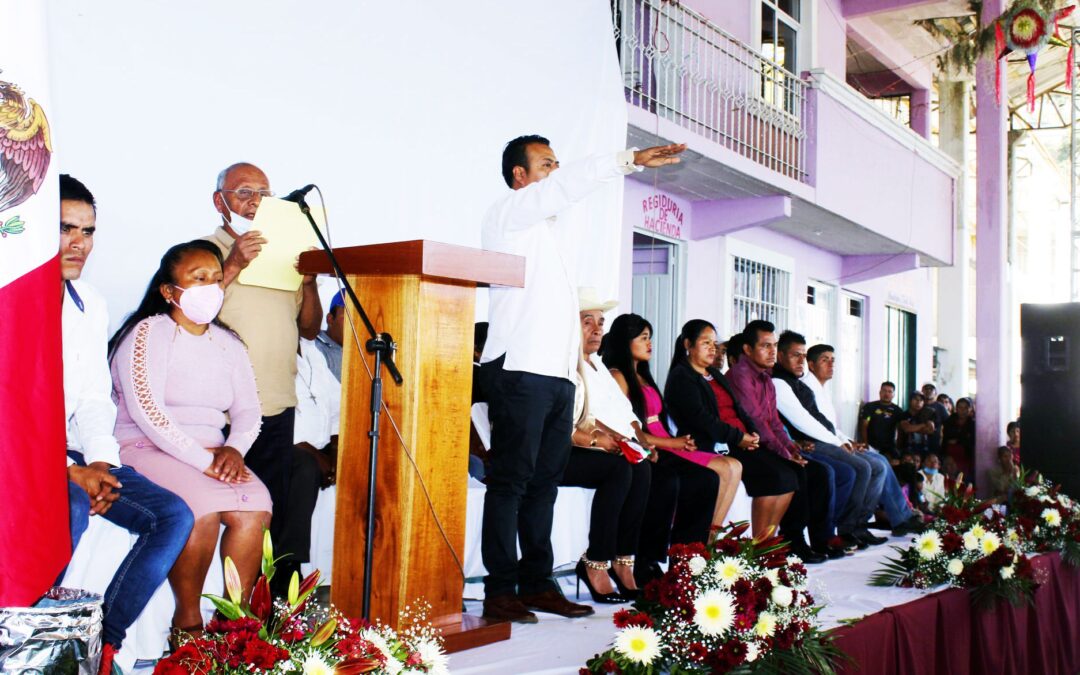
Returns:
point(228, 609)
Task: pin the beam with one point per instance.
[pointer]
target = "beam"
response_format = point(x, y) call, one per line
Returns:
point(856, 268)
point(856, 8)
point(870, 37)
point(723, 216)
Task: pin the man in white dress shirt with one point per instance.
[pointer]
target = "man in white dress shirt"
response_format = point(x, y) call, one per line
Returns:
point(97, 483)
point(314, 459)
point(529, 361)
point(821, 364)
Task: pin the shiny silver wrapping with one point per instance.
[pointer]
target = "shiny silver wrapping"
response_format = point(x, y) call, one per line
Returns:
point(60, 635)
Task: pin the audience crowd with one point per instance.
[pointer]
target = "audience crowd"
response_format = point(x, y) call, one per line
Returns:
point(212, 414)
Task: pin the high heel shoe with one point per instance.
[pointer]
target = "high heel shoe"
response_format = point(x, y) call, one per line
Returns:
point(582, 575)
point(630, 594)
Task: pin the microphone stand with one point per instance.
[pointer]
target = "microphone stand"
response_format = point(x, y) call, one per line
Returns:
point(382, 345)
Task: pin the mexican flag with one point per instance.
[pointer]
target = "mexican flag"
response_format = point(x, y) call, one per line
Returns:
point(35, 541)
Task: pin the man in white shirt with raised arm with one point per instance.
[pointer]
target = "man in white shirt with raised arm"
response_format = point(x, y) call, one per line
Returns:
point(821, 364)
point(529, 361)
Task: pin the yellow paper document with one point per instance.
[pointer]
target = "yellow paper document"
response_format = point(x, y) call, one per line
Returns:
point(288, 234)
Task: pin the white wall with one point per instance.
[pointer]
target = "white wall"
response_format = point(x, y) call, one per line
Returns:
point(398, 110)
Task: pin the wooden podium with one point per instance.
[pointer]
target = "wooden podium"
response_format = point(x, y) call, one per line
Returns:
point(423, 294)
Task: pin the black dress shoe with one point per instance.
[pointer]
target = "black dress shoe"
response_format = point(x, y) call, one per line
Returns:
point(830, 552)
point(913, 525)
point(554, 602)
point(869, 537)
point(851, 540)
point(506, 608)
point(806, 553)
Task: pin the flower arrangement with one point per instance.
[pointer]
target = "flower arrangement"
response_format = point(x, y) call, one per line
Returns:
point(297, 636)
point(970, 546)
point(1045, 518)
point(735, 605)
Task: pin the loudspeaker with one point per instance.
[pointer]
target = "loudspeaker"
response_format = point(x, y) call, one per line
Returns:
point(1050, 392)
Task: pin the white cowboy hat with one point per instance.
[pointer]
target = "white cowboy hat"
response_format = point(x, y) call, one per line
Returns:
point(589, 300)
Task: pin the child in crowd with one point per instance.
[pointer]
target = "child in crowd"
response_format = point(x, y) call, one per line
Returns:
point(917, 493)
point(935, 481)
point(1003, 475)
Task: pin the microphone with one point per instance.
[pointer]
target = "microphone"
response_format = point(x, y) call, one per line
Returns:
point(298, 194)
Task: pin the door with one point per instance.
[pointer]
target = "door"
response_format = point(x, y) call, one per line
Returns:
point(900, 352)
point(850, 371)
point(655, 296)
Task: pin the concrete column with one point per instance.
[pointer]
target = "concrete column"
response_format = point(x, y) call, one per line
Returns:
point(991, 267)
point(920, 112)
point(953, 282)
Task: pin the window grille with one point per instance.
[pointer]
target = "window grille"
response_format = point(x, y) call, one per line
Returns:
point(759, 292)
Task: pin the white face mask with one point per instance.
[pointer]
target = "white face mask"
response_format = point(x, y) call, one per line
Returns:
point(201, 304)
point(239, 224)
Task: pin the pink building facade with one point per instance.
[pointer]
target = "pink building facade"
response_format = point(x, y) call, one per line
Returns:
point(802, 200)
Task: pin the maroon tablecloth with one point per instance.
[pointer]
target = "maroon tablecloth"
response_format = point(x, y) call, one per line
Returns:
point(942, 633)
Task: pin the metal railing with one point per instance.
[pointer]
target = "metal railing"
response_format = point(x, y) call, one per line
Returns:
point(681, 67)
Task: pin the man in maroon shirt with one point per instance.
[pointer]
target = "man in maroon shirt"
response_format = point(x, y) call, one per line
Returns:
point(751, 377)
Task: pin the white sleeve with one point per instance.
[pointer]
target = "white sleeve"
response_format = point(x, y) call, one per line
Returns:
point(565, 186)
point(95, 412)
point(787, 404)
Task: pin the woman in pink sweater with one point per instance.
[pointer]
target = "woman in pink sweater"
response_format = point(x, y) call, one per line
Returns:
point(181, 377)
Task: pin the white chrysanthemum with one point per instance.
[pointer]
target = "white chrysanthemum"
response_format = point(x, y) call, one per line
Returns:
point(315, 665)
point(955, 567)
point(989, 543)
point(714, 612)
point(766, 624)
point(1007, 572)
point(393, 664)
point(752, 652)
point(638, 644)
point(928, 544)
point(1032, 491)
point(697, 565)
point(971, 542)
point(782, 595)
point(729, 570)
point(437, 662)
point(773, 576)
point(1051, 517)
point(978, 530)
point(1012, 536)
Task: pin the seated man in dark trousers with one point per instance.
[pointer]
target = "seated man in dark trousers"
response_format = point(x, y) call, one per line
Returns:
point(751, 378)
point(798, 408)
point(99, 485)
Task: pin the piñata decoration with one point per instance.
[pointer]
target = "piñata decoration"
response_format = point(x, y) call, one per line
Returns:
point(1028, 27)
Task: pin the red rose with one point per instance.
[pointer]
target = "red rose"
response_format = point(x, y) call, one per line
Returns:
point(952, 542)
point(697, 652)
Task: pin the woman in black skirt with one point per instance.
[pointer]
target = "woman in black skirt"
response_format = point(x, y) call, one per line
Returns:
point(703, 404)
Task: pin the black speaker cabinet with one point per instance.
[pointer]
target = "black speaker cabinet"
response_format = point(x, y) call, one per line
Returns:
point(1050, 392)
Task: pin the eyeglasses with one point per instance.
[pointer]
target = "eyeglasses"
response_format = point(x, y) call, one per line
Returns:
point(244, 194)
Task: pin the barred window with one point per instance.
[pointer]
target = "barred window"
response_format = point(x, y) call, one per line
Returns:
point(759, 292)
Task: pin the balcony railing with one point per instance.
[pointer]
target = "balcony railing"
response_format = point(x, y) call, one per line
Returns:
point(681, 67)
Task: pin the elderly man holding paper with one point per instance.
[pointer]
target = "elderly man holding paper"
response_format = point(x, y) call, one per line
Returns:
point(270, 320)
